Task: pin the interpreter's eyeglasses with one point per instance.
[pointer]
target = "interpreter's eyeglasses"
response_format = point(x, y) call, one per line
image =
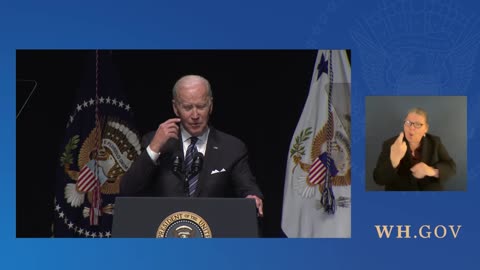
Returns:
point(414, 124)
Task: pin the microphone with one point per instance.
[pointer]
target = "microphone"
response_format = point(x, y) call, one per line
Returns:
point(197, 163)
point(177, 165)
point(177, 169)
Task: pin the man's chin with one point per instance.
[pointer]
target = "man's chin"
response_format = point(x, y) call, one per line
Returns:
point(195, 130)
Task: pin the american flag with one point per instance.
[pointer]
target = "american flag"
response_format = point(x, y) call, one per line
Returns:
point(318, 170)
point(86, 179)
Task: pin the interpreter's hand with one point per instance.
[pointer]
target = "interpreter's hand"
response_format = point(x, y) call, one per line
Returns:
point(258, 203)
point(166, 130)
point(398, 150)
point(420, 170)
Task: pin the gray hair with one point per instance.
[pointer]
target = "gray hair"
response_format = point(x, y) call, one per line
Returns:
point(188, 78)
point(419, 111)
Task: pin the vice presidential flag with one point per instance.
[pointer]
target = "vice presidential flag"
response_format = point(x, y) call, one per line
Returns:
point(318, 183)
point(99, 147)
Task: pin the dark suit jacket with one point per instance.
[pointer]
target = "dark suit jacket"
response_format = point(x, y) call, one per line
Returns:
point(434, 154)
point(224, 151)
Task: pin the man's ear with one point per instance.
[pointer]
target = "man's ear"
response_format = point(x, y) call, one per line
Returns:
point(211, 106)
point(174, 107)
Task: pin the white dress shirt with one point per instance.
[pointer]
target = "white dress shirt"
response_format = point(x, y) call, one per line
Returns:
point(185, 136)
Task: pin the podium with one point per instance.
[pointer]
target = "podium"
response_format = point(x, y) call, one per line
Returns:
point(177, 217)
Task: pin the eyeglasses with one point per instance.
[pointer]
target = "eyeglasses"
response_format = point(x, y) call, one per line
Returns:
point(415, 124)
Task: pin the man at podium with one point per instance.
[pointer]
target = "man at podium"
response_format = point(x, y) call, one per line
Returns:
point(187, 157)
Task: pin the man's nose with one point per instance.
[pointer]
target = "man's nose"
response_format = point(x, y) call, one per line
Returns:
point(195, 113)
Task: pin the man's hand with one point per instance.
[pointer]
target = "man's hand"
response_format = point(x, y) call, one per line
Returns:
point(166, 130)
point(398, 150)
point(258, 203)
point(420, 170)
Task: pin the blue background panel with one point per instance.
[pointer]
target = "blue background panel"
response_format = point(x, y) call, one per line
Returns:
point(398, 48)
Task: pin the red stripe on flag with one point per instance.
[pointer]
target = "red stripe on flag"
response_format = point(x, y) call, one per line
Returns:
point(322, 177)
point(317, 172)
point(89, 177)
point(315, 164)
point(96, 202)
point(317, 176)
point(89, 187)
point(84, 172)
point(86, 180)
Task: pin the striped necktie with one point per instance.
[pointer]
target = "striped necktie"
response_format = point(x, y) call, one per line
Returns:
point(192, 179)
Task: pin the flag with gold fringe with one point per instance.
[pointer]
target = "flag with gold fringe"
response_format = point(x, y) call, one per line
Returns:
point(317, 189)
point(99, 147)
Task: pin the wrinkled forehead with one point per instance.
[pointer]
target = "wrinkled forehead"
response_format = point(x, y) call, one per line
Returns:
point(192, 88)
point(192, 96)
point(415, 117)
